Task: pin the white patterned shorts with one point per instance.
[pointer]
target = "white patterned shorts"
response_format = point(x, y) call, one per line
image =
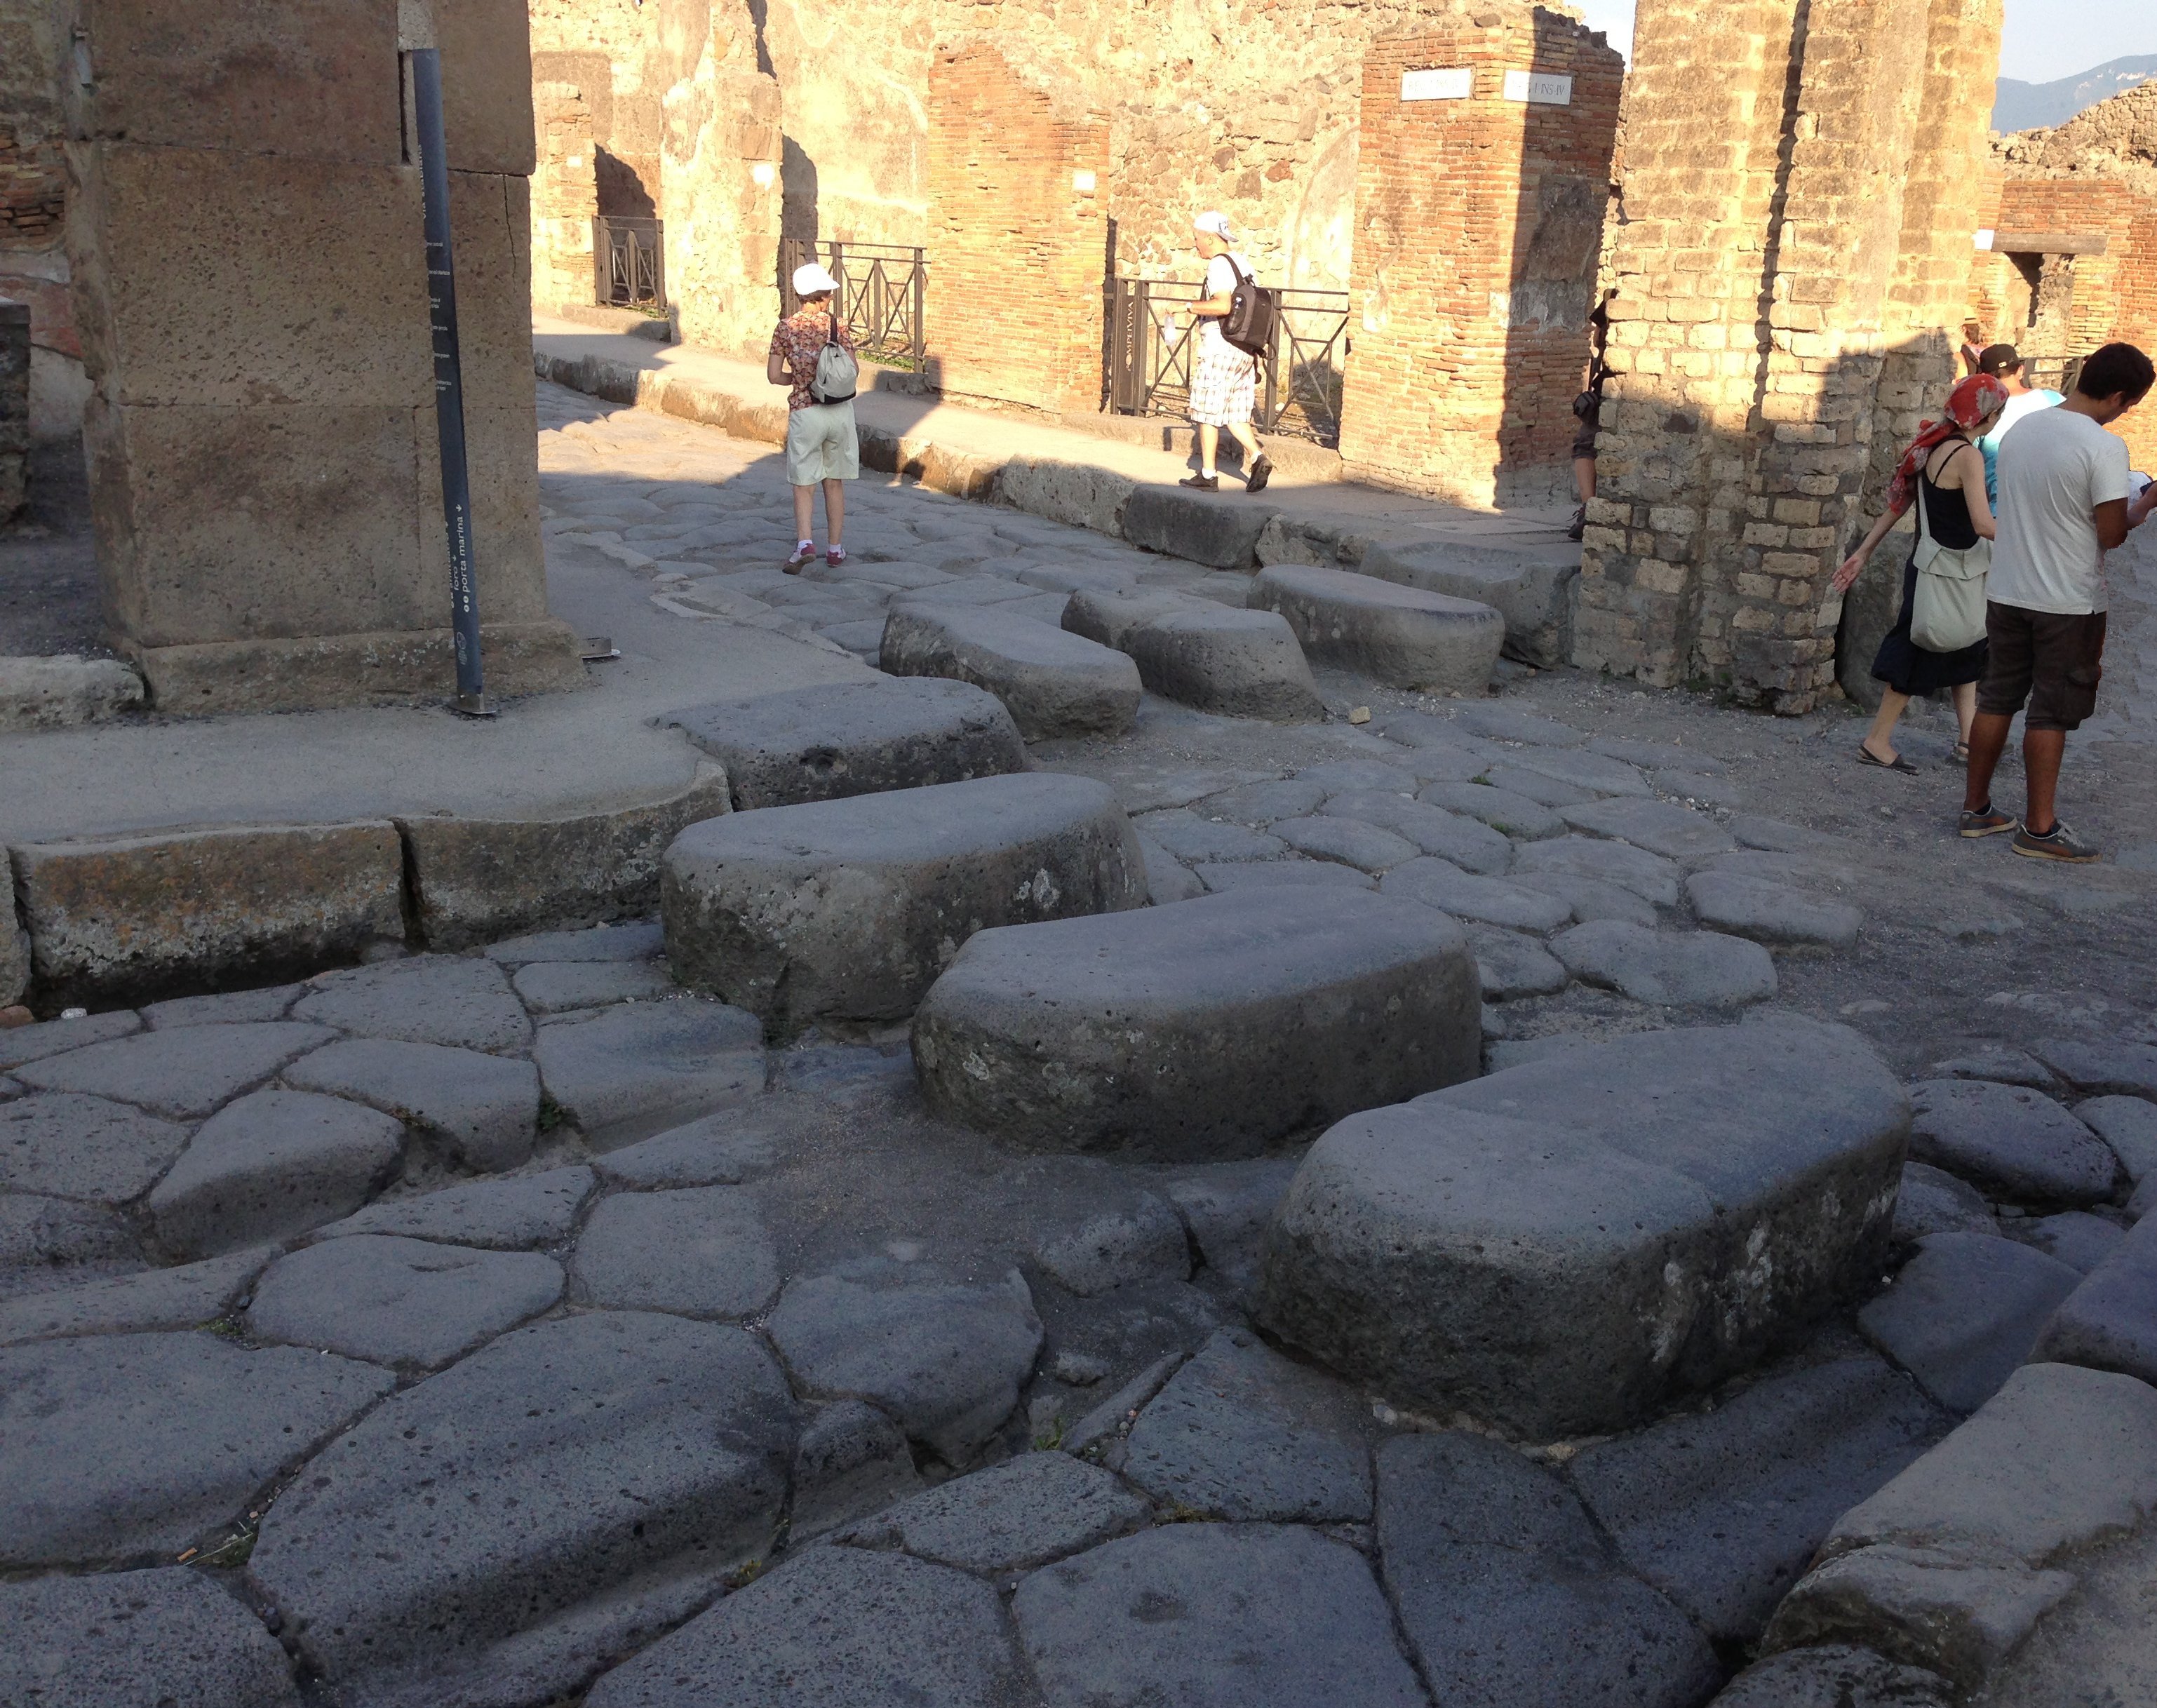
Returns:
point(1224, 389)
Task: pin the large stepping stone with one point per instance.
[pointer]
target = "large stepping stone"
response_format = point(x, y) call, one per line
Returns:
point(1672, 968)
point(1401, 636)
point(68, 1145)
point(1439, 884)
point(1052, 682)
point(1241, 1433)
point(1013, 1517)
point(844, 739)
point(1674, 832)
point(2014, 1144)
point(525, 1214)
point(836, 1628)
point(1508, 1596)
point(179, 1298)
point(1467, 842)
point(1608, 1228)
point(483, 1109)
point(565, 1494)
point(2109, 1322)
point(407, 1301)
point(1531, 591)
point(1722, 1510)
point(1213, 1616)
point(1965, 1312)
point(847, 910)
point(461, 1001)
point(626, 1074)
point(1241, 664)
point(185, 1074)
point(699, 1251)
point(136, 1639)
point(1111, 616)
point(946, 1358)
point(122, 1445)
point(1202, 1030)
point(1771, 912)
point(271, 1164)
point(1649, 876)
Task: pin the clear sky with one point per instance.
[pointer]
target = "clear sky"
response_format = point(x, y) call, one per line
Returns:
point(2044, 39)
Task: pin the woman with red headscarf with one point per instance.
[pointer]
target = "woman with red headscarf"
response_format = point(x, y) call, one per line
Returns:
point(1945, 467)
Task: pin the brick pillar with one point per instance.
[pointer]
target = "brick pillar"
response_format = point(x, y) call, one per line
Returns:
point(1478, 216)
point(1017, 165)
point(250, 281)
point(565, 197)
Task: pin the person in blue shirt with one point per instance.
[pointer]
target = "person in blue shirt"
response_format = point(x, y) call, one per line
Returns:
point(2004, 363)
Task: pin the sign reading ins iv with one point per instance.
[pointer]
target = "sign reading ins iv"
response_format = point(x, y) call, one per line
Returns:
point(1543, 88)
point(1450, 83)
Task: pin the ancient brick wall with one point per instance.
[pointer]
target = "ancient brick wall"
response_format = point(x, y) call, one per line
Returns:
point(1016, 226)
point(564, 196)
point(1479, 221)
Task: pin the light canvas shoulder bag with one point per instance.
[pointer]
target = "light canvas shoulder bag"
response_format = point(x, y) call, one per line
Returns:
point(1947, 612)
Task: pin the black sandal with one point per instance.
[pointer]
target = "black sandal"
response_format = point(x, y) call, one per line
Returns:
point(1901, 762)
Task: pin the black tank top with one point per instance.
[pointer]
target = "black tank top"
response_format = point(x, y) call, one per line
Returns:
point(1948, 511)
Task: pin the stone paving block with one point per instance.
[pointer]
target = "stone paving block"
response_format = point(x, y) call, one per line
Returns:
point(2076, 1238)
point(1440, 884)
point(559, 1498)
point(1674, 832)
point(1642, 1218)
point(1388, 774)
point(2129, 1126)
point(1512, 966)
point(1583, 770)
point(407, 1301)
point(1722, 1510)
point(1589, 898)
point(1678, 968)
point(201, 907)
point(1965, 1311)
point(2011, 1142)
point(721, 1150)
point(124, 1445)
point(68, 1145)
point(136, 1639)
point(233, 1005)
point(1467, 842)
point(1189, 836)
point(1240, 664)
point(1509, 814)
point(844, 738)
point(1077, 576)
point(557, 987)
point(1350, 841)
point(1140, 1238)
point(271, 1164)
point(1220, 877)
point(2008, 1067)
point(1241, 1433)
point(945, 1358)
point(1213, 1616)
point(1053, 683)
point(1533, 785)
point(484, 1109)
point(969, 592)
point(698, 1252)
point(1933, 1201)
point(629, 1073)
point(30, 1043)
point(179, 1298)
point(1531, 591)
point(2109, 1322)
point(1649, 876)
point(50, 1243)
point(1507, 720)
point(836, 1628)
point(1167, 878)
point(1507, 1595)
point(848, 910)
point(1110, 616)
point(2099, 1645)
point(529, 1213)
point(637, 940)
point(1227, 1205)
point(1012, 1517)
point(462, 1002)
point(185, 1074)
point(850, 1460)
point(1661, 756)
point(1258, 804)
point(2097, 1067)
point(1835, 1675)
point(1199, 1032)
point(1401, 636)
point(1770, 913)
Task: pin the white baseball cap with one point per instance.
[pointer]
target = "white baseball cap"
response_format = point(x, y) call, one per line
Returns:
point(810, 278)
point(1214, 225)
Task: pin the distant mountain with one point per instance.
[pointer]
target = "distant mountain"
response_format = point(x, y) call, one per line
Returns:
point(2022, 106)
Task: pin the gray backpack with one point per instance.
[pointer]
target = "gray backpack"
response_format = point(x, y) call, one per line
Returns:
point(837, 375)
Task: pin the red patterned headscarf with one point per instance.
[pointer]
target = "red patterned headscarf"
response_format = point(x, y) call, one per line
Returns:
point(1968, 403)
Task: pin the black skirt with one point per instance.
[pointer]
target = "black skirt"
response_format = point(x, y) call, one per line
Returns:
point(1907, 667)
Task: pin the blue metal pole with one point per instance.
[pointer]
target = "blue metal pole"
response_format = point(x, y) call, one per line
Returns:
point(449, 378)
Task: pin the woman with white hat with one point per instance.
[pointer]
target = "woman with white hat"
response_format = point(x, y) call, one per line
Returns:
point(1223, 379)
point(812, 352)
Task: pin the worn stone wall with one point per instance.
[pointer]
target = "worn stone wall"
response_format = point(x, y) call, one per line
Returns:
point(564, 196)
point(14, 407)
point(33, 266)
point(1479, 221)
point(1016, 156)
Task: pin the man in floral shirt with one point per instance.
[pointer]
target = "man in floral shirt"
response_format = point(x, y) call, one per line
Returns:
point(822, 448)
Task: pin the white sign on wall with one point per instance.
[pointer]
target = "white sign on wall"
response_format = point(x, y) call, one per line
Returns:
point(1447, 83)
point(1984, 238)
point(1543, 88)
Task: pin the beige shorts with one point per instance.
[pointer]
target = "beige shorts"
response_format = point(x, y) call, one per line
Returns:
point(821, 444)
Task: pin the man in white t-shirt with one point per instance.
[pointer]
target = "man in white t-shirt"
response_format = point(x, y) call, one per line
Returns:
point(2004, 363)
point(1224, 380)
point(2065, 500)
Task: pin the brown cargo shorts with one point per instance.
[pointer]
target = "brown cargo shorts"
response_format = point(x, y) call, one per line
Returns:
point(2053, 662)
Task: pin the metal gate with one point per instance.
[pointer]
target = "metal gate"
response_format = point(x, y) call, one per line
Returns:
point(628, 261)
point(883, 290)
point(1151, 344)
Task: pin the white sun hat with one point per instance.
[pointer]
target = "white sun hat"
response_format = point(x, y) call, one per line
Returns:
point(809, 279)
point(1213, 225)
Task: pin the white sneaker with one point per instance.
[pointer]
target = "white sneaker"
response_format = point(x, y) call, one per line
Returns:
point(804, 554)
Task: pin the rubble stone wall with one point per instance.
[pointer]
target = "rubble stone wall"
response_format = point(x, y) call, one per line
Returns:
point(564, 196)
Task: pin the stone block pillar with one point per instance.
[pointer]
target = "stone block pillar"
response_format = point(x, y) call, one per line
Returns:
point(566, 197)
point(720, 194)
point(1018, 202)
point(1482, 178)
point(250, 281)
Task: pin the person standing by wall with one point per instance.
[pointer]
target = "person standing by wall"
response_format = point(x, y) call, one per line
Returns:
point(822, 445)
point(1587, 410)
point(2064, 501)
point(1224, 380)
point(2004, 362)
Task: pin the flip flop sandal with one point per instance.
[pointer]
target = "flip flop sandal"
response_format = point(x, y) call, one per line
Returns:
point(1961, 754)
point(1901, 762)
